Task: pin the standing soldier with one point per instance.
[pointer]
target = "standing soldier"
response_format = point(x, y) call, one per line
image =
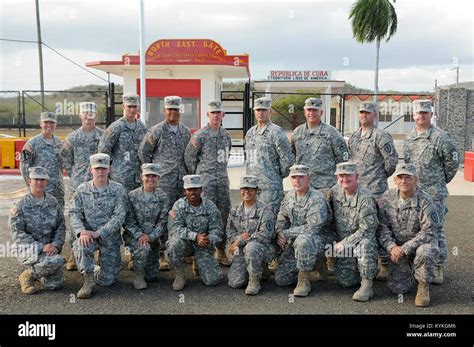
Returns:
point(250, 230)
point(195, 229)
point(318, 146)
point(437, 160)
point(45, 150)
point(374, 152)
point(121, 141)
point(408, 227)
point(147, 215)
point(76, 151)
point(355, 214)
point(303, 229)
point(97, 212)
point(269, 155)
point(38, 231)
point(207, 155)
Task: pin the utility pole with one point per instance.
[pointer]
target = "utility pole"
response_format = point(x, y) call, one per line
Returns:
point(143, 111)
point(40, 53)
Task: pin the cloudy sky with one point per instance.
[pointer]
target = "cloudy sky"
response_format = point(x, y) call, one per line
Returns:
point(432, 38)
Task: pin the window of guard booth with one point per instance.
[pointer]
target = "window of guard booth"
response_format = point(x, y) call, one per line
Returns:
point(156, 111)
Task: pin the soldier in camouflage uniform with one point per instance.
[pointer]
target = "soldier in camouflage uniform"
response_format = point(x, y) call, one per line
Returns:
point(207, 155)
point(355, 215)
point(77, 148)
point(250, 230)
point(97, 212)
point(303, 229)
point(374, 152)
point(408, 226)
point(121, 141)
point(437, 160)
point(165, 144)
point(45, 150)
point(269, 155)
point(38, 231)
point(147, 215)
point(195, 227)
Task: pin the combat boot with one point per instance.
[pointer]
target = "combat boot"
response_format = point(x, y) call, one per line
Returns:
point(438, 275)
point(88, 288)
point(253, 287)
point(139, 280)
point(365, 291)
point(221, 257)
point(179, 280)
point(71, 264)
point(194, 268)
point(322, 269)
point(382, 275)
point(303, 288)
point(422, 294)
point(330, 265)
point(164, 265)
point(27, 282)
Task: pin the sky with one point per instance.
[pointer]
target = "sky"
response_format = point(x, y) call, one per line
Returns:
point(433, 37)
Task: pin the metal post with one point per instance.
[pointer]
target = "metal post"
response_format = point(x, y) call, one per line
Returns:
point(40, 53)
point(144, 116)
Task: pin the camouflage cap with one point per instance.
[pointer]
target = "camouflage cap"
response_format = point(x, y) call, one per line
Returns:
point(313, 103)
point(422, 105)
point(368, 106)
point(248, 181)
point(131, 99)
point(38, 172)
point(299, 170)
point(173, 102)
point(88, 107)
point(215, 106)
point(48, 117)
point(100, 160)
point(151, 169)
point(346, 168)
point(264, 103)
point(405, 169)
point(192, 181)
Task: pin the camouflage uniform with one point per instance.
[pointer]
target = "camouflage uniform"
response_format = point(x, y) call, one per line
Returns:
point(251, 254)
point(207, 155)
point(269, 157)
point(145, 215)
point(319, 148)
point(77, 148)
point(306, 226)
point(102, 211)
point(376, 158)
point(33, 224)
point(121, 142)
point(356, 225)
point(437, 160)
point(164, 147)
point(40, 152)
point(412, 225)
point(186, 222)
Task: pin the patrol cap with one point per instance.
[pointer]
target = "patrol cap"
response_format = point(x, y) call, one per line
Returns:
point(192, 181)
point(100, 160)
point(38, 172)
point(264, 103)
point(422, 105)
point(173, 102)
point(215, 106)
point(131, 99)
point(88, 107)
point(346, 168)
point(313, 103)
point(248, 181)
point(48, 117)
point(299, 170)
point(405, 169)
point(368, 106)
point(151, 169)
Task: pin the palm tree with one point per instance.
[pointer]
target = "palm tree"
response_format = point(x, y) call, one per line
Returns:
point(373, 20)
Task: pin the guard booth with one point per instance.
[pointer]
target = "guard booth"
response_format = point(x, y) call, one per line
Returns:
point(191, 68)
